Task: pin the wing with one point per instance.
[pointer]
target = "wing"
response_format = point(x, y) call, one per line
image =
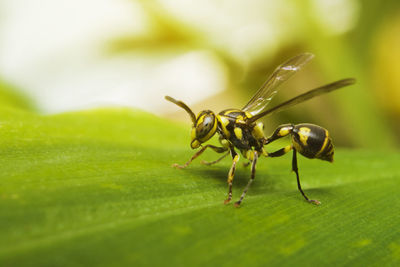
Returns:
point(269, 89)
point(306, 96)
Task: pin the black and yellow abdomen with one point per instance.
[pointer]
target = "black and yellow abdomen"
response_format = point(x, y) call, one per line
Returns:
point(312, 141)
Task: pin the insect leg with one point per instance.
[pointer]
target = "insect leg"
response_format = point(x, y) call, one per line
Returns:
point(215, 161)
point(296, 170)
point(231, 174)
point(198, 153)
point(280, 152)
point(253, 174)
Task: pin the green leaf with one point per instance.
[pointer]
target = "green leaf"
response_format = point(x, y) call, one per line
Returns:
point(97, 188)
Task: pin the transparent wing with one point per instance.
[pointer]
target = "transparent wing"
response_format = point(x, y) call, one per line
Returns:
point(269, 89)
point(306, 96)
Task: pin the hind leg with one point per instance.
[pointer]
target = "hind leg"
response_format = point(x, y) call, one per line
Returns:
point(296, 170)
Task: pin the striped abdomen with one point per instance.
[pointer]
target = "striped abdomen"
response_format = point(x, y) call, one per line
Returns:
point(312, 141)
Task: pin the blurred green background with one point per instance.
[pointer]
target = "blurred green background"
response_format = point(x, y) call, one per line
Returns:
point(349, 38)
point(246, 41)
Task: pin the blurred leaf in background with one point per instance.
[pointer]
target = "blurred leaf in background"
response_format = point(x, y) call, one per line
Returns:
point(340, 33)
point(385, 70)
point(10, 97)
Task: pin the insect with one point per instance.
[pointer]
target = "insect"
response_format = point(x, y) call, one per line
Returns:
point(238, 129)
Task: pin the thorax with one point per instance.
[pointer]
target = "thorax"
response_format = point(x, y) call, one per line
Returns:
point(233, 125)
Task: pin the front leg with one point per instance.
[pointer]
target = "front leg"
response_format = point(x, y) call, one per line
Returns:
point(215, 161)
point(198, 153)
point(231, 174)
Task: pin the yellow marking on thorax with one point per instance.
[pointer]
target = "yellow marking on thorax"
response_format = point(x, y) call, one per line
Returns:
point(238, 133)
point(240, 119)
point(258, 131)
point(231, 111)
point(224, 122)
point(303, 134)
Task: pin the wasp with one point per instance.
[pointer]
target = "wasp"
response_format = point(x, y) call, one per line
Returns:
point(240, 130)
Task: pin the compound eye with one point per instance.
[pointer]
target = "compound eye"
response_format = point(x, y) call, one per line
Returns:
point(206, 126)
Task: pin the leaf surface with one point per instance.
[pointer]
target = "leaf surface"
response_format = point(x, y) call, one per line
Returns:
point(97, 188)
